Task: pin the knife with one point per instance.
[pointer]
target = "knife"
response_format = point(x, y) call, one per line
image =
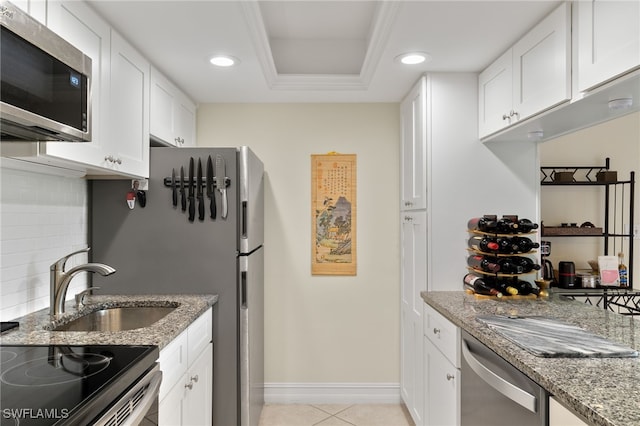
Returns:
point(200, 191)
point(210, 187)
point(183, 196)
point(174, 189)
point(221, 171)
point(192, 198)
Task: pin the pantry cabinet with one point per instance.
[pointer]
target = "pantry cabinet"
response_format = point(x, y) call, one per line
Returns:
point(414, 148)
point(186, 392)
point(608, 40)
point(173, 114)
point(532, 76)
point(414, 281)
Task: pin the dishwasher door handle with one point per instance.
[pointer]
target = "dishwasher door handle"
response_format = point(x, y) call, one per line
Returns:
point(514, 393)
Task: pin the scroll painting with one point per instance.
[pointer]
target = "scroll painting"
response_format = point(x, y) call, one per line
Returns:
point(333, 199)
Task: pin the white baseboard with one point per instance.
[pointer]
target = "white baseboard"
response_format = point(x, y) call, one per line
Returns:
point(332, 393)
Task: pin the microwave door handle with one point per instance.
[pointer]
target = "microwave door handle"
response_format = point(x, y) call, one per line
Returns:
point(514, 393)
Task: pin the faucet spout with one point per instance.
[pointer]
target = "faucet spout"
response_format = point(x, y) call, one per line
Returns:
point(60, 280)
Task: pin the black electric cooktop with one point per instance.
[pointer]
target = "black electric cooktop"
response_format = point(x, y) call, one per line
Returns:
point(66, 385)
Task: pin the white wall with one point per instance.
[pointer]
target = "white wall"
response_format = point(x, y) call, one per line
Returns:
point(617, 139)
point(43, 217)
point(323, 329)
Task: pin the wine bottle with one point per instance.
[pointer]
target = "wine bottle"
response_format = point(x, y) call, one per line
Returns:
point(526, 263)
point(483, 244)
point(524, 244)
point(525, 225)
point(487, 223)
point(479, 286)
point(503, 286)
point(508, 266)
point(525, 287)
point(622, 271)
point(506, 226)
point(482, 263)
point(506, 245)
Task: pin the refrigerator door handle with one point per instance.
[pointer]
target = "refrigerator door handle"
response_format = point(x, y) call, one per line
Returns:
point(243, 290)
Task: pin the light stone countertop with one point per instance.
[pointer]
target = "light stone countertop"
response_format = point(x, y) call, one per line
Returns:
point(605, 391)
point(189, 307)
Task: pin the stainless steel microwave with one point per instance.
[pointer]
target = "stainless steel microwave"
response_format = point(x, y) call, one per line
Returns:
point(45, 82)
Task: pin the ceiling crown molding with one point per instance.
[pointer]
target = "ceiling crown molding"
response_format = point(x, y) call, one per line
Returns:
point(380, 32)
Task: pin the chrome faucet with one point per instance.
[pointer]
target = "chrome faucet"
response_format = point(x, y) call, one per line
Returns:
point(60, 279)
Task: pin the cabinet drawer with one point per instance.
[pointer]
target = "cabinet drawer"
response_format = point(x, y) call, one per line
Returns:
point(443, 334)
point(200, 335)
point(173, 362)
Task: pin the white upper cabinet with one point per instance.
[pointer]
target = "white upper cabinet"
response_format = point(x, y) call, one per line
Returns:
point(608, 39)
point(82, 27)
point(173, 114)
point(414, 149)
point(532, 76)
point(35, 8)
point(129, 151)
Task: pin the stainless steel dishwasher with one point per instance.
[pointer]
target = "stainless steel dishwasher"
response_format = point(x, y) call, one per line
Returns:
point(495, 393)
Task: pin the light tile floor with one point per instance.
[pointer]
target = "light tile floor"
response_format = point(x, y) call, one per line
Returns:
point(335, 415)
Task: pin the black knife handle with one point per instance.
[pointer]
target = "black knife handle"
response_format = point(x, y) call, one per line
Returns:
point(201, 207)
point(174, 196)
point(183, 201)
point(192, 208)
point(213, 205)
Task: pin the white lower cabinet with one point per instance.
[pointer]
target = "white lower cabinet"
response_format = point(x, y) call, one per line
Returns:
point(441, 370)
point(561, 416)
point(186, 393)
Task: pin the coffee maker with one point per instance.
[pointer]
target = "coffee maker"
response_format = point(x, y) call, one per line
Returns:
point(547, 266)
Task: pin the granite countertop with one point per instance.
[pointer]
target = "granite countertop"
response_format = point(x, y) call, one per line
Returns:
point(189, 307)
point(605, 391)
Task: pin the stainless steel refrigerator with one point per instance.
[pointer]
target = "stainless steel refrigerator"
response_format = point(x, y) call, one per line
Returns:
point(161, 248)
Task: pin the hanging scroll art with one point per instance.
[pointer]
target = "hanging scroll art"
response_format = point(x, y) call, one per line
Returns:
point(333, 199)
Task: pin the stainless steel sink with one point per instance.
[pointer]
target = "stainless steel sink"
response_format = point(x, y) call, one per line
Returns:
point(117, 319)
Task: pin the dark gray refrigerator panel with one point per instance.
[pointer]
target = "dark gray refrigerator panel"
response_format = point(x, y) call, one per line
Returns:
point(157, 250)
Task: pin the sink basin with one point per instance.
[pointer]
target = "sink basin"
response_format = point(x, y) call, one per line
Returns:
point(117, 319)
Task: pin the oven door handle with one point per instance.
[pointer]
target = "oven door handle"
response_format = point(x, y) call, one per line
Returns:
point(514, 393)
point(153, 379)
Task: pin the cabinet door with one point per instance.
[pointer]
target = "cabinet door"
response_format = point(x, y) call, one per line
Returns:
point(561, 416)
point(608, 40)
point(442, 393)
point(199, 397)
point(129, 140)
point(542, 65)
point(162, 101)
point(414, 148)
point(81, 26)
point(171, 408)
point(35, 8)
point(185, 121)
point(414, 280)
point(495, 85)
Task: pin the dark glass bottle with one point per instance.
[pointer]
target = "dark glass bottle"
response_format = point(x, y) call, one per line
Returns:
point(482, 263)
point(506, 226)
point(525, 287)
point(506, 245)
point(526, 263)
point(503, 286)
point(479, 286)
point(524, 244)
point(484, 244)
point(484, 224)
point(525, 225)
point(508, 266)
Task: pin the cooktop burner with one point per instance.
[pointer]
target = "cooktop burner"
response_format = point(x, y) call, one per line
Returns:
point(66, 385)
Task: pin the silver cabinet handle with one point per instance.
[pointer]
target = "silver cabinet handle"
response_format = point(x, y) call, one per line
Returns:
point(408, 203)
point(450, 376)
point(436, 331)
point(189, 385)
point(112, 159)
point(408, 218)
point(509, 390)
point(195, 379)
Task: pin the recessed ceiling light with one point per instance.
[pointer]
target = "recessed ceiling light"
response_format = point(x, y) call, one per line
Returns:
point(413, 58)
point(223, 61)
point(619, 104)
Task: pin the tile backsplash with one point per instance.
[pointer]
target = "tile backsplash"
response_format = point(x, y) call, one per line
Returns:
point(42, 218)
